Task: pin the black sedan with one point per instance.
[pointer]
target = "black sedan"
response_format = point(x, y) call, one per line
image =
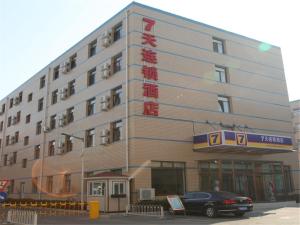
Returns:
point(213, 203)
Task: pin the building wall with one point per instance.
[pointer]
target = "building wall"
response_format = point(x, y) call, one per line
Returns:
point(188, 93)
point(295, 108)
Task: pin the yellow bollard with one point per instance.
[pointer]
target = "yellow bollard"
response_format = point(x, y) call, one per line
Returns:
point(94, 209)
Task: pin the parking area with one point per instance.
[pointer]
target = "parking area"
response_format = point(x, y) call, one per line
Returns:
point(278, 213)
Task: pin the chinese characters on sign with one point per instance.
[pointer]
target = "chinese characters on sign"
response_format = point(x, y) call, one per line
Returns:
point(149, 70)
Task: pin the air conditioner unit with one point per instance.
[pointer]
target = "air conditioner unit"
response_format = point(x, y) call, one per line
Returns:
point(104, 98)
point(66, 67)
point(104, 133)
point(107, 38)
point(60, 151)
point(106, 70)
point(147, 194)
point(105, 103)
point(16, 101)
point(104, 140)
point(46, 129)
point(62, 120)
point(63, 93)
point(104, 106)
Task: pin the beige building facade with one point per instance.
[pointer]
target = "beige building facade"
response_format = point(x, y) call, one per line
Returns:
point(134, 92)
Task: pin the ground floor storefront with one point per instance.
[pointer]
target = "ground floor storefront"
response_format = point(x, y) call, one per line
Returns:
point(260, 180)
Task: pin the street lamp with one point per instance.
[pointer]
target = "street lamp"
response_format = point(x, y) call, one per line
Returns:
point(82, 165)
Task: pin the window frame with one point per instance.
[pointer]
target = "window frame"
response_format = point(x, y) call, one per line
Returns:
point(221, 74)
point(220, 43)
point(92, 49)
point(91, 189)
point(224, 99)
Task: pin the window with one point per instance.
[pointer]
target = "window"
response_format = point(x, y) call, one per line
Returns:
point(218, 46)
point(14, 161)
point(29, 97)
point(67, 183)
point(9, 121)
point(51, 148)
point(37, 150)
point(118, 188)
point(116, 62)
point(92, 48)
point(39, 127)
point(26, 140)
point(5, 157)
point(54, 97)
point(24, 163)
point(69, 144)
point(221, 74)
point(11, 103)
point(117, 32)
point(73, 61)
point(90, 138)
point(7, 140)
point(49, 184)
point(1, 126)
point(71, 88)
point(27, 120)
point(18, 119)
point(42, 82)
point(52, 122)
point(116, 130)
point(168, 178)
point(0, 142)
point(56, 72)
point(40, 104)
point(91, 75)
point(11, 187)
point(21, 96)
point(224, 105)
point(116, 95)
point(70, 115)
point(16, 136)
point(96, 188)
point(90, 106)
point(3, 108)
point(34, 183)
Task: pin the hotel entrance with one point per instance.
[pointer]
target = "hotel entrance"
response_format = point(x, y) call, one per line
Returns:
point(262, 181)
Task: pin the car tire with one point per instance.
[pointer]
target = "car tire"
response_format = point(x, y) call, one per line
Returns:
point(239, 214)
point(210, 212)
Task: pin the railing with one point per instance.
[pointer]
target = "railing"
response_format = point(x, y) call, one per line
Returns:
point(23, 217)
point(145, 210)
point(45, 208)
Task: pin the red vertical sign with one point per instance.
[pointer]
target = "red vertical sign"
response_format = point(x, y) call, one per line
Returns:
point(149, 71)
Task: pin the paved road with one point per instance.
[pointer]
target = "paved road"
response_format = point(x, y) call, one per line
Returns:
point(264, 214)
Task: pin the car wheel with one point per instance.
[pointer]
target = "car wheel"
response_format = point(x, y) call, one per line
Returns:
point(239, 214)
point(210, 212)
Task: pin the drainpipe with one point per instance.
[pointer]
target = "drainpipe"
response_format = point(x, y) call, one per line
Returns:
point(44, 133)
point(127, 109)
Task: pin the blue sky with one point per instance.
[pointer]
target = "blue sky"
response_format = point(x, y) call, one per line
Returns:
point(35, 32)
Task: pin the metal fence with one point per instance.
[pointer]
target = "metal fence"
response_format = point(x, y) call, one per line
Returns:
point(23, 217)
point(46, 208)
point(145, 210)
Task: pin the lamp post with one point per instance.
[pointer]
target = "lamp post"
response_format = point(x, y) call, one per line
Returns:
point(82, 165)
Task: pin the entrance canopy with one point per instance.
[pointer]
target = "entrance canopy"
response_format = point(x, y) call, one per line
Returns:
point(225, 141)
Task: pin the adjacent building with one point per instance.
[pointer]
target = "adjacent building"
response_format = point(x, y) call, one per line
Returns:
point(158, 104)
point(295, 108)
